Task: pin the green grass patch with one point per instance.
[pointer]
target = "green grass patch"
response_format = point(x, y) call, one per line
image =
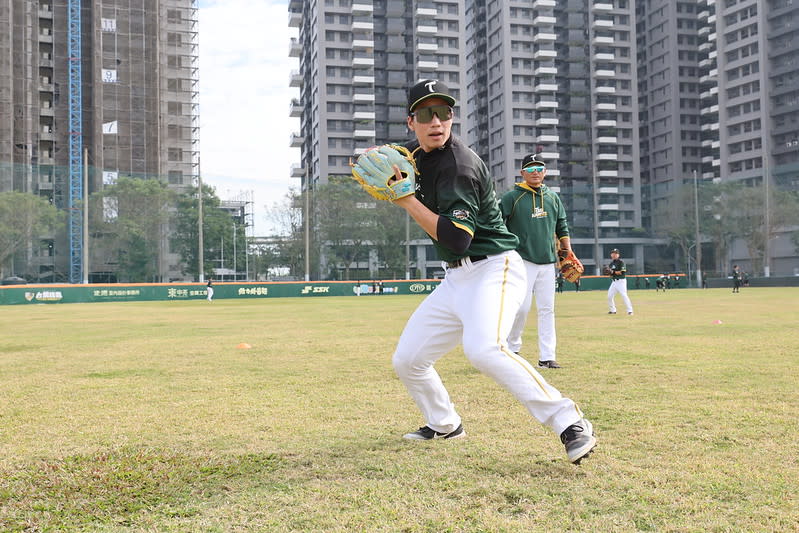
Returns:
point(147, 417)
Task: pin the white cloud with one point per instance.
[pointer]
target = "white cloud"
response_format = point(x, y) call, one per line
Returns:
point(244, 101)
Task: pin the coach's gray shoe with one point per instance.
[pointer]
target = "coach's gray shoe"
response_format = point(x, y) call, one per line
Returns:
point(427, 433)
point(579, 440)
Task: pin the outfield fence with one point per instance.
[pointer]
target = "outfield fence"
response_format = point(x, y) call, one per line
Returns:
point(138, 292)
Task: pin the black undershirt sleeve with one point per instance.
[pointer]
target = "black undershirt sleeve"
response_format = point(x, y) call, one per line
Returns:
point(452, 237)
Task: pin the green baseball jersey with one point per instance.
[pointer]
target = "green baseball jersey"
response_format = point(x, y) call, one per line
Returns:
point(617, 269)
point(537, 218)
point(453, 182)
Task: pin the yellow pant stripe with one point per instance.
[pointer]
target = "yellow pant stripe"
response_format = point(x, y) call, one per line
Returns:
point(524, 364)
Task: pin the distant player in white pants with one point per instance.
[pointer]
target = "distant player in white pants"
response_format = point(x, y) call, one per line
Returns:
point(618, 285)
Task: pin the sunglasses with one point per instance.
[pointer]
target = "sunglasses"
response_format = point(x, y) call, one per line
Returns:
point(425, 114)
point(534, 169)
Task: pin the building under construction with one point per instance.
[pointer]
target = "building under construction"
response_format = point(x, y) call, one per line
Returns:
point(92, 90)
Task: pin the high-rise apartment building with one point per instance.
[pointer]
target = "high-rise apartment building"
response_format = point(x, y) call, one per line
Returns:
point(719, 86)
point(558, 78)
point(357, 60)
point(627, 101)
point(132, 105)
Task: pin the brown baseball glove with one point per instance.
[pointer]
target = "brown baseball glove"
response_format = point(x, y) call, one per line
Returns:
point(570, 267)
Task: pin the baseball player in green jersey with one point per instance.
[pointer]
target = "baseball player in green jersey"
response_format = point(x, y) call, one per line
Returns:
point(534, 213)
point(736, 279)
point(618, 273)
point(474, 305)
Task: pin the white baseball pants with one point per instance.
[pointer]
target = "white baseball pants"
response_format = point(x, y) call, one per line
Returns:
point(619, 286)
point(475, 305)
point(541, 284)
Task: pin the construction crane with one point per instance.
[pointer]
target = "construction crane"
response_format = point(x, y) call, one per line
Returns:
point(75, 206)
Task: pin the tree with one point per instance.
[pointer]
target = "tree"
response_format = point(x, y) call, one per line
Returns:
point(346, 224)
point(24, 219)
point(287, 218)
point(390, 235)
point(217, 230)
point(128, 224)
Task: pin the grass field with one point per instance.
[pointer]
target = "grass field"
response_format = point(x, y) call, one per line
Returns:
point(147, 417)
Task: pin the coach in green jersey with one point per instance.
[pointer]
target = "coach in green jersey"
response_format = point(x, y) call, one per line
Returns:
point(535, 214)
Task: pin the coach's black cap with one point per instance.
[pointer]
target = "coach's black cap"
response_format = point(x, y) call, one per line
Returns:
point(615, 251)
point(533, 159)
point(428, 89)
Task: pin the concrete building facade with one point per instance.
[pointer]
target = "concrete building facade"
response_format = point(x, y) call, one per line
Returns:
point(139, 107)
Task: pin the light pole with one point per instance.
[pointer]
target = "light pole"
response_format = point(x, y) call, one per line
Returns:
point(696, 227)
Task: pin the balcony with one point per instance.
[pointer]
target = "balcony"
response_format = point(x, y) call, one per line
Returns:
point(603, 7)
point(426, 29)
point(545, 54)
point(364, 134)
point(607, 140)
point(427, 47)
point(426, 12)
point(608, 174)
point(363, 80)
point(609, 224)
point(540, 20)
point(538, 4)
point(545, 70)
point(297, 170)
point(427, 65)
point(607, 157)
point(603, 40)
point(546, 104)
point(606, 123)
point(608, 207)
point(605, 57)
point(45, 11)
point(600, 23)
point(363, 61)
point(363, 115)
point(295, 19)
point(295, 109)
point(360, 98)
point(547, 138)
point(605, 73)
point(546, 87)
point(362, 25)
point(295, 79)
point(606, 90)
point(363, 44)
point(540, 36)
point(606, 107)
point(361, 9)
point(547, 122)
point(550, 156)
point(295, 48)
point(296, 140)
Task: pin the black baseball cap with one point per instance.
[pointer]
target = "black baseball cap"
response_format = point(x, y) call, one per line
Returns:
point(428, 89)
point(533, 159)
point(615, 251)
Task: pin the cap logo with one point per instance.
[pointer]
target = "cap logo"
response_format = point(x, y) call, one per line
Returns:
point(430, 86)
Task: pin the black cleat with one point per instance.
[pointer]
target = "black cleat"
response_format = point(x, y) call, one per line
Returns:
point(548, 364)
point(579, 440)
point(426, 433)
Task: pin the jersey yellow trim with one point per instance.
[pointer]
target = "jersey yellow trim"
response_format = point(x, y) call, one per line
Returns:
point(464, 228)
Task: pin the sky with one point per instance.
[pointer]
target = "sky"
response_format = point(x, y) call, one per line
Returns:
point(244, 102)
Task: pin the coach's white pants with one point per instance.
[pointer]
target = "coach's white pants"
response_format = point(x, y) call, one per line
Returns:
point(210, 291)
point(541, 284)
point(619, 286)
point(475, 305)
